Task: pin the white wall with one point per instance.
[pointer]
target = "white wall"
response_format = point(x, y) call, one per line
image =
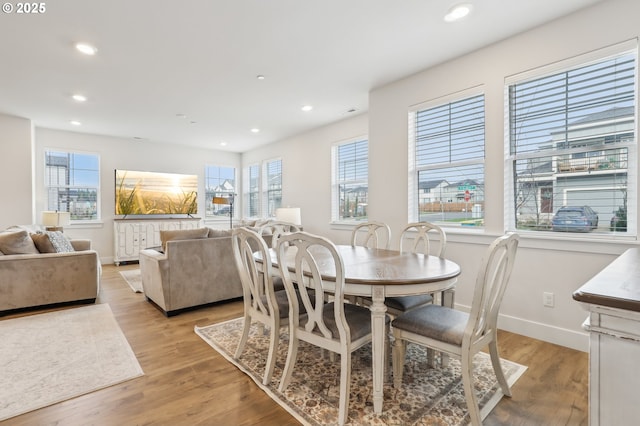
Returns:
point(16, 152)
point(556, 265)
point(120, 153)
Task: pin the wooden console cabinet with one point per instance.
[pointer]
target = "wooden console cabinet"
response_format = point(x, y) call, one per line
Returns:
point(132, 235)
point(612, 298)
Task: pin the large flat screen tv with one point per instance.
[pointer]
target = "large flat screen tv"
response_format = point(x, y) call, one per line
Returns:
point(153, 193)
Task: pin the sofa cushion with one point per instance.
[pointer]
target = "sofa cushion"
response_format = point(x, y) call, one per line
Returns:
point(43, 243)
point(182, 234)
point(17, 242)
point(215, 233)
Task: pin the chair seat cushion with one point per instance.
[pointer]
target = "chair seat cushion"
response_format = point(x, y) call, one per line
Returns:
point(283, 303)
point(407, 303)
point(358, 318)
point(435, 322)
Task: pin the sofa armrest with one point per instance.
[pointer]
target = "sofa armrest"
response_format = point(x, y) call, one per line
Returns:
point(81, 244)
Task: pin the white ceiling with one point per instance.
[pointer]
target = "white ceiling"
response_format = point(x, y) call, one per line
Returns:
point(158, 58)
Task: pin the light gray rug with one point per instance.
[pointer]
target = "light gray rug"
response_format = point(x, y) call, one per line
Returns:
point(133, 278)
point(429, 396)
point(55, 356)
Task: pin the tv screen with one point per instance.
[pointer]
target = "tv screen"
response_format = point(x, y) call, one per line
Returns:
point(152, 193)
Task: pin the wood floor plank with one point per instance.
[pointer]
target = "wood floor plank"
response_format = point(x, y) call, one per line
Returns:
point(186, 382)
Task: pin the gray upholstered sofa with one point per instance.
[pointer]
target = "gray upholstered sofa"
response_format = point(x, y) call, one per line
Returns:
point(34, 273)
point(192, 268)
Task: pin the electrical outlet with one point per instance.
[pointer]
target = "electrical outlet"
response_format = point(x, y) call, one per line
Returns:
point(547, 299)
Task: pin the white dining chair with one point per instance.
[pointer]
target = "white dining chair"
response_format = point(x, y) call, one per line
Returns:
point(262, 302)
point(458, 333)
point(276, 228)
point(335, 326)
point(417, 238)
point(371, 234)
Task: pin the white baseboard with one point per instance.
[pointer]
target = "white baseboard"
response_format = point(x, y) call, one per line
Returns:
point(559, 336)
point(548, 333)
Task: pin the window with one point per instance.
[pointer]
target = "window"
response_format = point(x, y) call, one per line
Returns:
point(72, 182)
point(272, 188)
point(446, 161)
point(252, 195)
point(219, 182)
point(572, 146)
point(350, 182)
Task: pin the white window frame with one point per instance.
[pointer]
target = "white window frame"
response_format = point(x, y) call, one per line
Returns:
point(337, 181)
point(270, 205)
point(248, 191)
point(413, 169)
point(221, 193)
point(632, 168)
point(50, 188)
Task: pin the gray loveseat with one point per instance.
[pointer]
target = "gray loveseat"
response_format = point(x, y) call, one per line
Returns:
point(34, 273)
point(193, 267)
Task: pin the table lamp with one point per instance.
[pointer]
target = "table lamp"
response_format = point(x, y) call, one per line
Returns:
point(289, 215)
point(55, 220)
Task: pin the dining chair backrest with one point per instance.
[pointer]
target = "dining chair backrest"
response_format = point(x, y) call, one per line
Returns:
point(491, 283)
point(276, 229)
point(256, 284)
point(371, 234)
point(310, 252)
point(415, 238)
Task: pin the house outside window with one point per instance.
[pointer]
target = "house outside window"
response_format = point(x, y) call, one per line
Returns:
point(72, 183)
point(219, 182)
point(350, 170)
point(272, 186)
point(572, 146)
point(446, 161)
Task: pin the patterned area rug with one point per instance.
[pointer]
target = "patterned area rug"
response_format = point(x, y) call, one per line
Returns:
point(133, 278)
point(52, 357)
point(428, 396)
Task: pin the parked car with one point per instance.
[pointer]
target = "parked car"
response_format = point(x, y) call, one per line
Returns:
point(223, 211)
point(619, 220)
point(575, 219)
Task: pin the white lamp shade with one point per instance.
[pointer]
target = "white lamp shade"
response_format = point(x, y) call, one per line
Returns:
point(57, 219)
point(289, 215)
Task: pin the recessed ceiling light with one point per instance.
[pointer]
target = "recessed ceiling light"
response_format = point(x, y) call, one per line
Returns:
point(79, 98)
point(87, 49)
point(458, 12)
point(260, 77)
point(255, 130)
point(223, 143)
point(307, 108)
point(75, 123)
point(181, 115)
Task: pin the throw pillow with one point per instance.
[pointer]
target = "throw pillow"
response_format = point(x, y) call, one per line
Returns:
point(43, 243)
point(60, 242)
point(52, 242)
point(17, 242)
point(182, 234)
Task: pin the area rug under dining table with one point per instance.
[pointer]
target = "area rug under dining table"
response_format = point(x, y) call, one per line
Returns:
point(428, 395)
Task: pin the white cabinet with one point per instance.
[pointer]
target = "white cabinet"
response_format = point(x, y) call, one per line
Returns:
point(132, 235)
point(612, 298)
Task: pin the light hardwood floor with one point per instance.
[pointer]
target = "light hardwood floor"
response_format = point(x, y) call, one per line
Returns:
point(186, 382)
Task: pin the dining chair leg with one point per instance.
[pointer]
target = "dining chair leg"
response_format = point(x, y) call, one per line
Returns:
point(398, 354)
point(244, 337)
point(274, 339)
point(292, 355)
point(345, 385)
point(497, 368)
point(469, 392)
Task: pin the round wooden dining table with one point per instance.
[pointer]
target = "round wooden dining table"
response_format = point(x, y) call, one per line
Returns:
point(379, 273)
